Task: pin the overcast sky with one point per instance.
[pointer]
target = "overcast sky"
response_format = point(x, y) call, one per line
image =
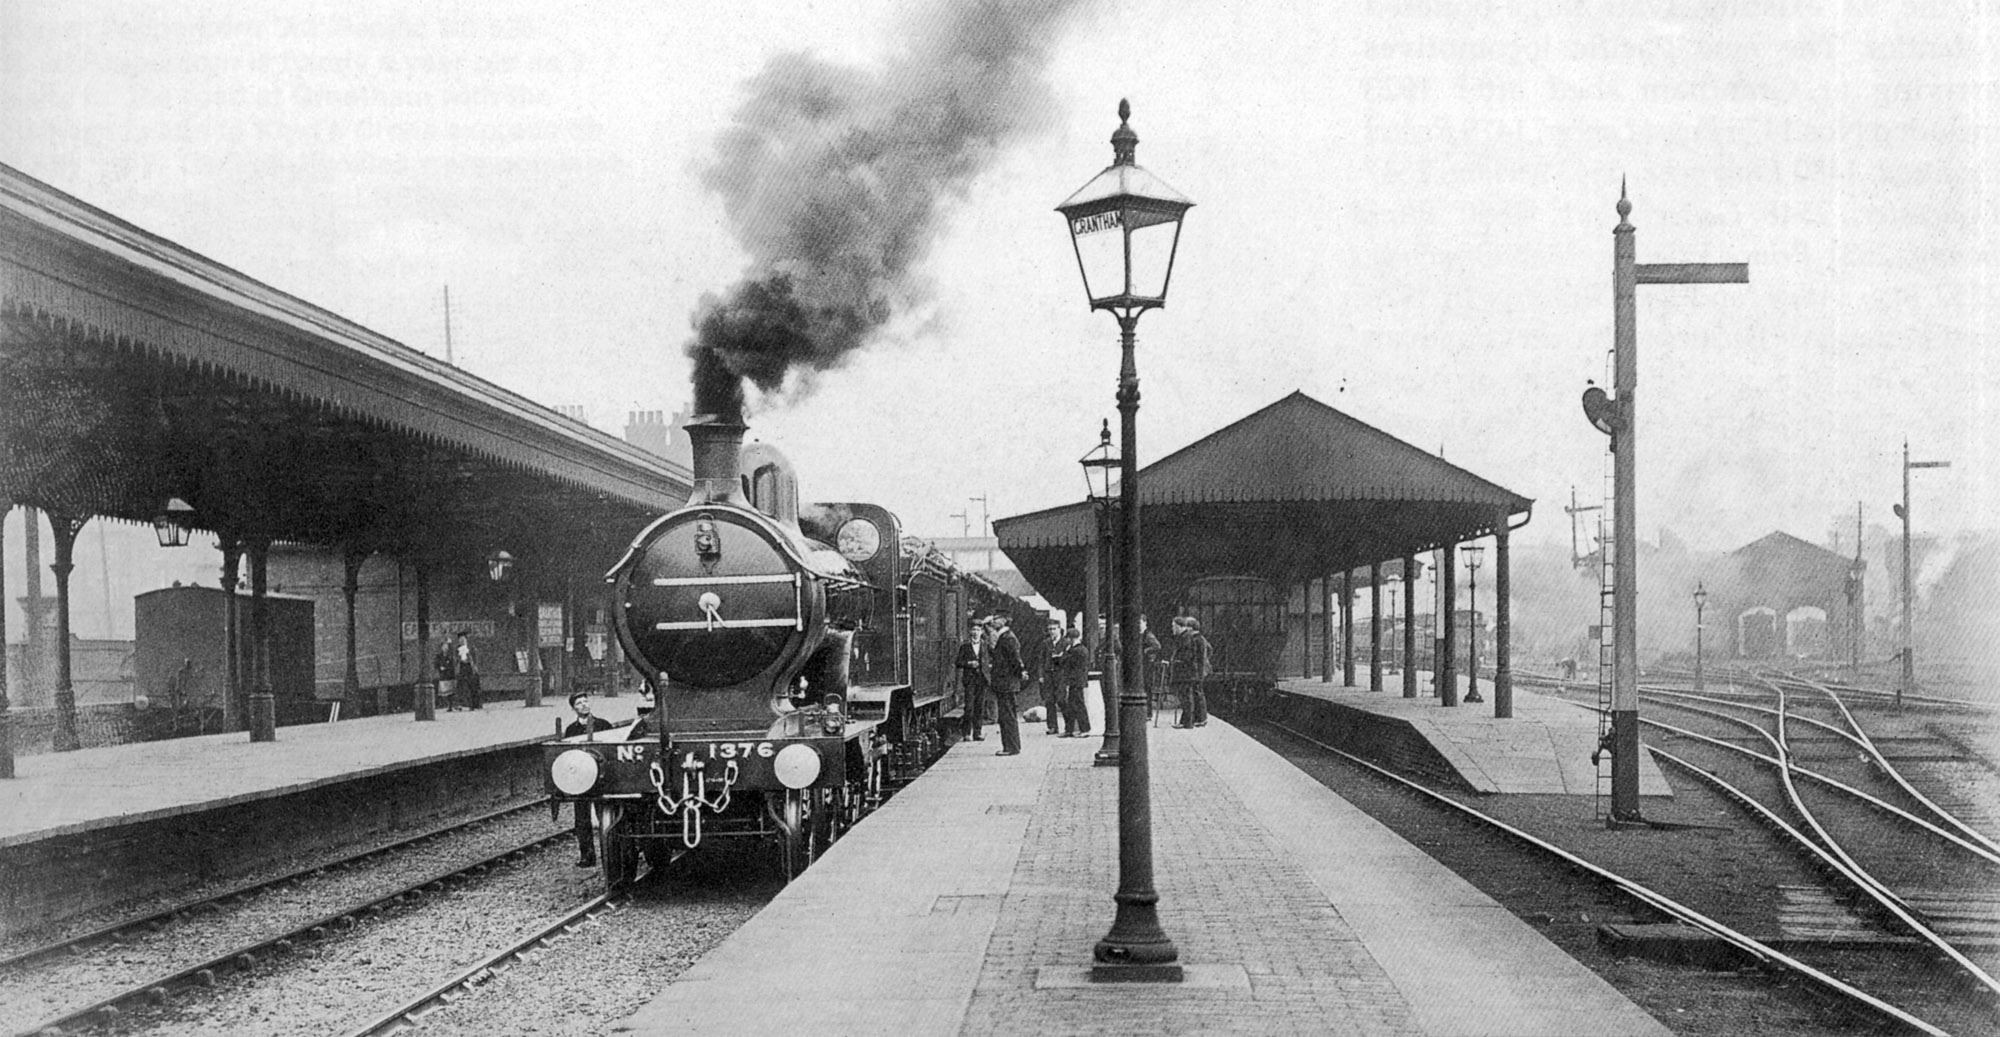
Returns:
point(1404, 209)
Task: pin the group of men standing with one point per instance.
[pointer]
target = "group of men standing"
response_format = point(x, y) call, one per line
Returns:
point(989, 664)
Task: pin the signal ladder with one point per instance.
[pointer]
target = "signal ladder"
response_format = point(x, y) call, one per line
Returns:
point(1607, 658)
point(1607, 607)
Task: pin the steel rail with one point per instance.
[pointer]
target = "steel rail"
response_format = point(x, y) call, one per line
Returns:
point(1829, 781)
point(1857, 873)
point(244, 956)
point(1645, 895)
point(1836, 784)
point(411, 1014)
point(1844, 866)
point(1877, 693)
point(1892, 906)
point(158, 919)
point(1860, 737)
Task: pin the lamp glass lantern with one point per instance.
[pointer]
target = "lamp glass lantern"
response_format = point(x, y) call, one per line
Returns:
point(1102, 469)
point(498, 565)
point(172, 524)
point(1125, 225)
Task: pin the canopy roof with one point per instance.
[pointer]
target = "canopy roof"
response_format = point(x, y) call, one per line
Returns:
point(1296, 490)
point(134, 369)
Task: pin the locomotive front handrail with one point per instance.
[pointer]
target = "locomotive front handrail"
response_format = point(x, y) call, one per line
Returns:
point(727, 624)
point(713, 619)
point(702, 581)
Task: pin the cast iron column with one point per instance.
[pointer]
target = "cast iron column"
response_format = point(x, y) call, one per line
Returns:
point(1447, 660)
point(353, 559)
point(233, 710)
point(6, 721)
point(1409, 626)
point(34, 611)
point(1305, 628)
point(1503, 672)
point(1136, 942)
point(66, 528)
point(1327, 630)
point(263, 706)
point(1347, 628)
point(1375, 626)
point(424, 695)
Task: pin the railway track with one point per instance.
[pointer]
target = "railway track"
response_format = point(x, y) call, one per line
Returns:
point(152, 921)
point(411, 1014)
point(1769, 956)
point(1823, 843)
point(159, 988)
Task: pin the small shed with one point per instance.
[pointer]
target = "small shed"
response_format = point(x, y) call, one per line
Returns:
point(1781, 597)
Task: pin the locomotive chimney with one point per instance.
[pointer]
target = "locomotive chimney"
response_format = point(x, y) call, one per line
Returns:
point(717, 440)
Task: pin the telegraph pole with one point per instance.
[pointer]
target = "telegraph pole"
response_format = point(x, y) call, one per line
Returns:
point(985, 523)
point(1626, 275)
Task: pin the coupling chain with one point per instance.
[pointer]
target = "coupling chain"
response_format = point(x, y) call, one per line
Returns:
point(694, 796)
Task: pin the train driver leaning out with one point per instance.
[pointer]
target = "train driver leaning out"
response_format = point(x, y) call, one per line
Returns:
point(585, 723)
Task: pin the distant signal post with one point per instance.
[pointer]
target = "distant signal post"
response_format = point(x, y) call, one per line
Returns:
point(1626, 275)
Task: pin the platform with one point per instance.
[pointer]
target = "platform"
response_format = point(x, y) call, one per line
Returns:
point(65, 793)
point(1543, 749)
point(90, 829)
point(970, 904)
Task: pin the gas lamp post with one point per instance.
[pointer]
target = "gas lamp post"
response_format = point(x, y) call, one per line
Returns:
point(1101, 476)
point(1473, 643)
point(1125, 226)
point(1700, 602)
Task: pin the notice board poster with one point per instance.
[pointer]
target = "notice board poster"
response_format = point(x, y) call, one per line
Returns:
point(549, 623)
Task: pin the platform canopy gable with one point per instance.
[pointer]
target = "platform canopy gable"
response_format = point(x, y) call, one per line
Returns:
point(1291, 492)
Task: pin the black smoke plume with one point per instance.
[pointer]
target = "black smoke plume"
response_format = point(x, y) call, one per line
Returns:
point(835, 181)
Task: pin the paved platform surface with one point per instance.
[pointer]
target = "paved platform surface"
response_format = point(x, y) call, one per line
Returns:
point(63, 793)
point(970, 904)
point(1544, 748)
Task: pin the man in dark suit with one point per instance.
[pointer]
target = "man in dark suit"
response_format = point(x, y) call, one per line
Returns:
point(974, 662)
point(1005, 682)
point(585, 723)
point(1054, 694)
point(1073, 669)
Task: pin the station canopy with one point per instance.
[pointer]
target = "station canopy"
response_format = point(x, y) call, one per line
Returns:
point(1295, 491)
point(133, 371)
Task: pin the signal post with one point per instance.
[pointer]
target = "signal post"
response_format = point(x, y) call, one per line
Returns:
point(1621, 423)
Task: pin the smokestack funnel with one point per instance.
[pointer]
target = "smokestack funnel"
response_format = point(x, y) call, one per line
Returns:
point(718, 466)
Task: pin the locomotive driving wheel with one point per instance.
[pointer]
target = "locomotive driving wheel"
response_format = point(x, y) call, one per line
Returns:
point(827, 817)
point(865, 795)
point(798, 828)
point(617, 851)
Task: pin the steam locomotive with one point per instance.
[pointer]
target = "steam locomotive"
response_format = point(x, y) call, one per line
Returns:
point(801, 661)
